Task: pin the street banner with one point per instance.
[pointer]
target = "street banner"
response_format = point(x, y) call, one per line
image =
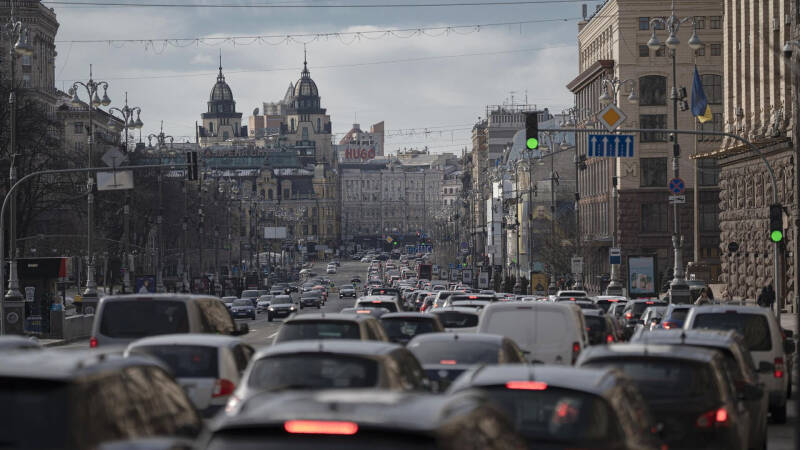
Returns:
point(641, 276)
point(483, 280)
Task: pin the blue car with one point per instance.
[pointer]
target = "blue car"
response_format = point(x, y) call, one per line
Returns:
point(674, 316)
point(243, 309)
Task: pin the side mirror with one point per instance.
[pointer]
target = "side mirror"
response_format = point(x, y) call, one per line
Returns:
point(749, 392)
point(789, 346)
point(766, 367)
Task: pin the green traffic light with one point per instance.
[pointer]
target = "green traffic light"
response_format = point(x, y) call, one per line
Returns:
point(776, 236)
point(533, 143)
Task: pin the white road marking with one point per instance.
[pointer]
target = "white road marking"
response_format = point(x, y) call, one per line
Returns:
point(272, 335)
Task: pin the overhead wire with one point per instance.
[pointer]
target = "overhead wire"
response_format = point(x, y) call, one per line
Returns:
point(100, 3)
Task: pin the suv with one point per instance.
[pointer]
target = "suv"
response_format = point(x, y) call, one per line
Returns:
point(331, 326)
point(763, 337)
point(84, 399)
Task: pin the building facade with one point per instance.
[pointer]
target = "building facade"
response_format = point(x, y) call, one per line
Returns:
point(613, 44)
point(358, 145)
point(221, 122)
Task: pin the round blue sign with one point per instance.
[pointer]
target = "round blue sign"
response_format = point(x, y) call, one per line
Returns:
point(677, 186)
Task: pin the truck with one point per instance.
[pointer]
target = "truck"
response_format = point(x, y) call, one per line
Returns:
point(424, 271)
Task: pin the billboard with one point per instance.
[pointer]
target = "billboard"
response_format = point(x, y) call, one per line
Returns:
point(641, 276)
point(358, 154)
point(274, 232)
point(146, 284)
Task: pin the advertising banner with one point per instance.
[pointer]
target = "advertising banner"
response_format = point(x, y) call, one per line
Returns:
point(641, 276)
point(146, 284)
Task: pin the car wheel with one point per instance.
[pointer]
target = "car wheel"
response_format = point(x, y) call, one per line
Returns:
point(778, 413)
point(269, 317)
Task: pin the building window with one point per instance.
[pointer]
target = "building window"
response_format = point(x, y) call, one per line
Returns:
point(644, 23)
point(655, 217)
point(712, 86)
point(716, 22)
point(211, 127)
point(709, 172)
point(653, 121)
point(319, 130)
point(700, 51)
point(652, 90)
point(644, 51)
point(269, 194)
point(654, 172)
point(716, 49)
point(78, 127)
point(286, 193)
point(700, 22)
point(225, 135)
point(26, 80)
point(709, 211)
point(305, 132)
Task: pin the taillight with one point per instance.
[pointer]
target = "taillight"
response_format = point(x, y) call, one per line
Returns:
point(93, 342)
point(667, 325)
point(609, 339)
point(448, 362)
point(629, 315)
point(527, 385)
point(223, 387)
point(779, 368)
point(320, 427)
point(576, 348)
point(711, 418)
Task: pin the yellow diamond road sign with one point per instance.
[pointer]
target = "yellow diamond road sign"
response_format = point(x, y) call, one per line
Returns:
point(612, 117)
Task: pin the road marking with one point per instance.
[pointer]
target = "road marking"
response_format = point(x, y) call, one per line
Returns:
point(272, 335)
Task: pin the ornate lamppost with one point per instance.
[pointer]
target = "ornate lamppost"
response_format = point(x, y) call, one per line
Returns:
point(161, 150)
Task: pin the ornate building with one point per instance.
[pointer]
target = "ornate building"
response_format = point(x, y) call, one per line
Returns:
point(221, 122)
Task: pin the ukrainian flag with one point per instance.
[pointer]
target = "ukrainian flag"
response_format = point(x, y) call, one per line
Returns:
point(700, 107)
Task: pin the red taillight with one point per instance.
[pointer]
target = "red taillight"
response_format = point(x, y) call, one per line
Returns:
point(527, 385)
point(629, 315)
point(572, 299)
point(667, 325)
point(649, 303)
point(779, 368)
point(473, 297)
point(93, 342)
point(576, 348)
point(609, 339)
point(320, 427)
point(448, 362)
point(711, 418)
point(223, 387)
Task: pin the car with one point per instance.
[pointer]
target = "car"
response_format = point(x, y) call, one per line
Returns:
point(651, 318)
point(281, 306)
point(474, 304)
point(243, 309)
point(347, 290)
point(13, 343)
point(208, 367)
point(674, 316)
point(571, 294)
point(355, 280)
point(402, 327)
point(586, 304)
point(632, 313)
point(358, 420)
point(767, 342)
point(323, 292)
point(228, 301)
point(252, 295)
point(331, 326)
point(550, 333)
point(311, 299)
point(330, 270)
point(445, 356)
point(600, 327)
point(605, 301)
point(389, 302)
point(365, 259)
point(686, 389)
point(278, 290)
point(385, 291)
point(373, 312)
point(463, 320)
point(263, 302)
point(566, 407)
point(86, 399)
point(328, 364)
point(740, 366)
point(121, 319)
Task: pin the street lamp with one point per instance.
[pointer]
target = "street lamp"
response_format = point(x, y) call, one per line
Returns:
point(14, 31)
point(127, 113)
point(92, 87)
point(161, 150)
point(679, 289)
point(612, 88)
point(571, 121)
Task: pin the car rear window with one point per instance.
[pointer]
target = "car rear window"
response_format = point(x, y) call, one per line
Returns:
point(405, 329)
point(282, 300)
point(595, 324)
point(313, 371)
point(391, 306)
point(754, 327)
point(36, 414)
point(323, 329)
point(639, 307)
point(666, 378)
point(679, 313)
point(261, 439)
point(185, 361)
point(457, 319)
point(453, 352)
point(559, 416)
point(143, 317)
point(487, 297)
point(242, 303)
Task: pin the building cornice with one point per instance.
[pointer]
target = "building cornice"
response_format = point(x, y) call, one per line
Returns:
point(590, 74)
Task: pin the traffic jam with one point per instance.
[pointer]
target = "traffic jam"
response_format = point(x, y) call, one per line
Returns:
point(378, 353)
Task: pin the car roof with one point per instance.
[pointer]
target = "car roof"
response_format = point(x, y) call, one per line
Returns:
point(338, 346)
point(66, 366)
point(654, 351)
point(407, 315)
point(594, 380)
point(593, 312)
point(322, 316)
point(645, 300)
point(468, 337)
point(203, 339)
point(702, 337)
point(460, 309)
point(737, 308)
point(171, 297)
point(382, 298)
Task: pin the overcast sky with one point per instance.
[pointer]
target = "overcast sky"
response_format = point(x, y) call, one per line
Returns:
point(370, 83)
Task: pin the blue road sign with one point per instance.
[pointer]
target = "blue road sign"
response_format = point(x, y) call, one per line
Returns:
point(611, 145)
point(677, 186)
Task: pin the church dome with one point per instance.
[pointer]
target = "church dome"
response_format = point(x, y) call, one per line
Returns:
point(221, 92)
point(305, 86)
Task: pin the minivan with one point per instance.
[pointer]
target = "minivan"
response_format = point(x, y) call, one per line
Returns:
point(121, 319)
point(550, 333)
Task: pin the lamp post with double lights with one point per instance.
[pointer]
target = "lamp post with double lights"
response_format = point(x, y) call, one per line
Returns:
point(91, 87)
point(160, 150)
point(552, 140)
point(612, 88)
point(679, 289)
point(127, 113)
point(14, 31)
point(573, 116)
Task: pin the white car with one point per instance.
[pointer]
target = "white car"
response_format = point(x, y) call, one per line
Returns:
point(208, 367)
point(263, 303)
point(330, 269)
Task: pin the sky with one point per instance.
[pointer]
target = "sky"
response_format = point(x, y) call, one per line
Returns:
point(441, 80)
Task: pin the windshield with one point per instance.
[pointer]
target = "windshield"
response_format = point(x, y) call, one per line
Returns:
point(47, 402)
point(753, 327)
point(139, 318)
point(313, 371)
point(185, 361)
point(282, 300)
point(391, 306)
point(242, 303)
point(679, 313)
point(323, 329)
point(639, 307)
point(457, 319)
point(558, 415)
point(402, 329)
point(452, 352)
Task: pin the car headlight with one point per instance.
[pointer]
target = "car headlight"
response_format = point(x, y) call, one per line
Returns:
point(291, 308)
point(271, 308)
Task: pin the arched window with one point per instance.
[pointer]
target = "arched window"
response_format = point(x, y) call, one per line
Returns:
point(652, 90)
point(292, 127)
point(712, 86)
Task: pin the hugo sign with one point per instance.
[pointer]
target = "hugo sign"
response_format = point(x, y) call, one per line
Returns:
point(356, 153)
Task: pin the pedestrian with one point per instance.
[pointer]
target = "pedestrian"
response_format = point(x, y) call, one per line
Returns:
point(767, 297)
point(703, 299)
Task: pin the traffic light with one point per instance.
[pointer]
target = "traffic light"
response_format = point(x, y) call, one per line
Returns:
point(532, 130)
point(776, 223)
point(191, 166)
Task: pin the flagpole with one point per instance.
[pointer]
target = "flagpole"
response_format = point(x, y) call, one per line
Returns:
point(696, 200)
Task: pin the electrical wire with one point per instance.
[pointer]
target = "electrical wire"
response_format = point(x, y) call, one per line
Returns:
point(305, 6)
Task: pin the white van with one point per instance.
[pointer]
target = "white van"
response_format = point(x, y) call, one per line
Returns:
point(550, 333)
point(764, 338)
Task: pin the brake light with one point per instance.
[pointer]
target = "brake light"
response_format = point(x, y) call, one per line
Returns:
point(527, 385)
point(711, 418)
point(320, 427)
point(779, 368)
point(473, 297)
point(93, 342)
point(223, 387)
point(576, 348)
point(448, 362)
point(667, 325)
point(649, 303)
point(613, 300)
point(572, 299)
point(629, 315)
point(609, 339)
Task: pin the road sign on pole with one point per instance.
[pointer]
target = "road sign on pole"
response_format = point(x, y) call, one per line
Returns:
point(677, 199)
point(611, 145)
point(677, 186)
point(614, 255)
point(577, 265)
point(611, 117)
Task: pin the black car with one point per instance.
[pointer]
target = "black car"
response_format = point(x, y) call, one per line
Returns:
point(311, 299)
point(281, 306)
point(402, 327)
point(243, 309)
point(359, 420)
point(444, 356)
point(687, 391)
point(600, 327)
point(564, 407)
point(88, 399)
point(331, 326)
